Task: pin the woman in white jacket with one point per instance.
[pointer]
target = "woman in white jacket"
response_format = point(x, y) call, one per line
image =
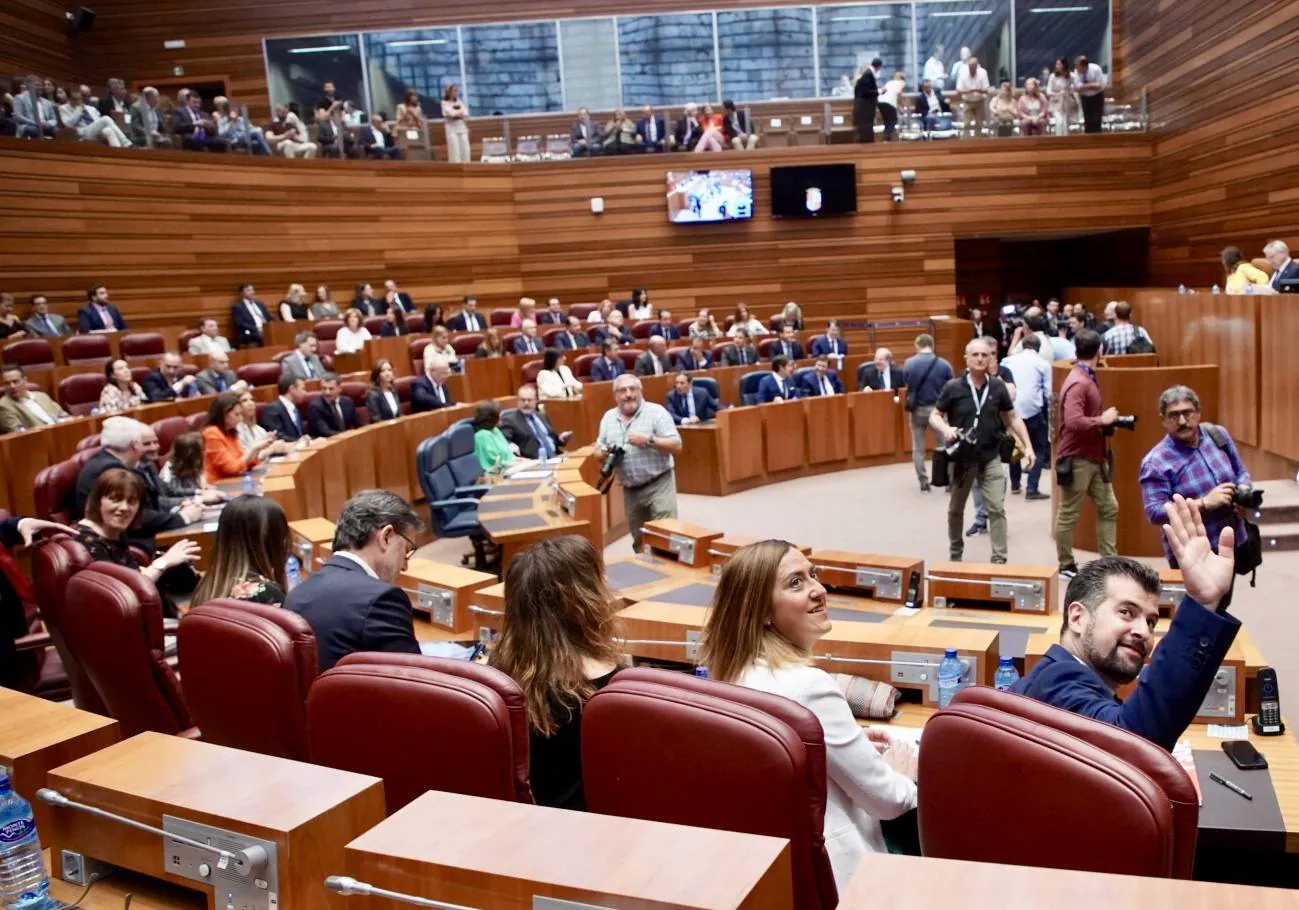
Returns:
point(767, 615)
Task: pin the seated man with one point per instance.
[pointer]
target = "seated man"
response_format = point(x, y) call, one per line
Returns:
point(218, 377)
point(553, 314)
point(882, 373)
point(651, 130)
point(586, 135)
point(697, 357)
point(378, 140)
point(608, 365)
point(197, 130)
point(689, 131)
point(573, 338)
point(737, 128)
point(777, 385)
point(930, 105)
point(21, 408)
point(99, 316)
point(528, 342)
point(333, 412)
point(166, 383)
point(284, 414)
point(234, 128)
point(615, 327)
point(788, 345)
point(688, 404)
point(831, 342)
point(43, 323)
point(126, 443)
point(529, 429)
point(742, 353)
point(430, 391)
point(665, 326)
point(304, 363)
point(823, 380)
point(654, 362)
point(1108, 631)
point(209, 338)
point(353, 602)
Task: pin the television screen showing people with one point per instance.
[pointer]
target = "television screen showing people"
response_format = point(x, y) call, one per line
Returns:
point(702, 196)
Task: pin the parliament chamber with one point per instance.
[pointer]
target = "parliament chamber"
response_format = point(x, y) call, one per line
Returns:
point(210, 756)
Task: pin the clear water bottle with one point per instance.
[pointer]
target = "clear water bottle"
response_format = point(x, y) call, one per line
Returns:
point(1249, 289)
point(1181, 289)
point(23, 883)
point(951, 670)
point(1006, 674)
point(701, 671)
point(250, 485)
point(1214, 290)
point(292, 572)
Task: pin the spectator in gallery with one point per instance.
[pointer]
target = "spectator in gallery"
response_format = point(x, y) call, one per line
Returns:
point(1089, 83)
point(289, 135)
point(651, 132)
point(197, 130)
point(962, 61)
point(689, 130)
point(353, 335)
point(555, 379)
point(737, 128)
point(294, 305)
point(1031, 108)
point(116, 101)
point(43, 323)
point(930, 105)
point(619, 136)
point(973, 88)
point(866, 93)
point(324, 307)
point(844, 88)
point(90, 124)
point(35, 116)
point(744, 320)
point(585, 135)
point(234, 128)
point(935, 70)
point(1240, 274)
point(492, 346)
point(1060, 98)
point(792, 316)
point(121, 391)
point(378, 140)
point(889, 99)
point(145, 126)
point(713, 138)
point(11, 327)
point(1003, 110)
point(705, 326)
point(409, 114)
point(455, 117)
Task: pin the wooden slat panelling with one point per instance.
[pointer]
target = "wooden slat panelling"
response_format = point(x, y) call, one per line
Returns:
point(1279, 327)
point(34, 39)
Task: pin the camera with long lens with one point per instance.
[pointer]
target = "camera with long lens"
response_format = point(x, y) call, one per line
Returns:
point(1247, 497)
point(612, 459)
point(1122, 422)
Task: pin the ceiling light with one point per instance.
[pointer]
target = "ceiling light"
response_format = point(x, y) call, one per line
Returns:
point(859, 18)
point(426, 41)
point(973, 12)
point(1061, 9)
point(320, 50)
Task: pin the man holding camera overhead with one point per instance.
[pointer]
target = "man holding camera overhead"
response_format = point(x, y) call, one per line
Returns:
point(1082, 465)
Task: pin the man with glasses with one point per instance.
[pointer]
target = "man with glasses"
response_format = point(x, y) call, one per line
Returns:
point(977, 407)
point(353, 602)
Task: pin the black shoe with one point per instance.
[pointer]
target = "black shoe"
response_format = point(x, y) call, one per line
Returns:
point(1069, 571)
point(924, 486)
point(976, 528)
point(1035, 496)
point(1016, 490)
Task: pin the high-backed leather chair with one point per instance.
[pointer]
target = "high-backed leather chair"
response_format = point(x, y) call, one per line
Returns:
point(167, 430)
point(583, 310)
point(1136, 750)
point(29, 662)
point(80, 350)
point(641, 328)
point(247, 671)
point(765, 345)
point(466, 343)
point(56, 490)
point(749, 383)
point(1023, 756)
point(531, 369)
point(402, 386)
point(422, 723)
point(141, 344)
point(414, 322)
point(628, 357)
point(29, 352)
point(89, 442)
point(501, 316)
point(107, 603)
point(508, 338)
point(184, 338)
point(196, 421)
point(668, 747)
point(464, 464)
point(79, 393)
point(327, 329)
point(259, 373)
point(582, 366)
point(709, 385)
point(416, 347)
point(54, 561)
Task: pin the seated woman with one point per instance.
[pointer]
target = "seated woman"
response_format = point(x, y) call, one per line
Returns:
point(491, 346)
point(112, 510)
point(249, 555)
point(90, 124)
point(381, 398)
point(557, 643)
point(11, 327)
point(527, 310)
point(494, 451)
point(352, 337)
point(324, 307)
point(600, 315)
point(433, 316)
point(184, 475)
point(768, 613)
point(441, 344)
point(640, 307)
point(1241, 274)
point(223, 453)
point(408, 113)
point(250, 432)
point(792, 315)
point(714, 131)
point(294, 305)
point(743, 319)
point(620, 134)
point(121, 392)
point(1002, 109)
point(1031, 108)
point(394, 324)
point(556, 380)
point(705, 326)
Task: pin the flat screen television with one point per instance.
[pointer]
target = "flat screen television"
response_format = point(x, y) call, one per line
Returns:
point(696, 197)
point(813, 190)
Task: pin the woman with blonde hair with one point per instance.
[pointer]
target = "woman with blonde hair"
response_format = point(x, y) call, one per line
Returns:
point(1241, 274)
point(557, 643)
point(792, 316)
point(1002, 108)
point(1031, 109)
point(768, 613)
point(294, 305)
point(249, 555)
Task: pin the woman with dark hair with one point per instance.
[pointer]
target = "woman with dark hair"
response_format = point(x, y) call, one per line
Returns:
point(394, 324)
point(249, 554)
point(121, 392)
point(557, 642)
point(1241, 274)
point(363, 299)
point(223, 455)
point(323, 307)
point(353, 334)
point(456, 116)
point(408, 113)
point(494, 451)
point(183, 475)
point(491, 346)
point(767, 615)
point(1060, 98)
point(112, 510)
point(639, 307)
point(555, 380)
point(381, 398)
point(433, 317)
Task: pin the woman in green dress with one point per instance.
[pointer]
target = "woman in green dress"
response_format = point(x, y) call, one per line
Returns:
point(494, 451)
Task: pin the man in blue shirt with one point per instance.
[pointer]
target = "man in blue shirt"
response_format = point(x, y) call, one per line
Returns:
point(778, 384)
point(925, 374)
point(1032, 396)
point(1108, 631)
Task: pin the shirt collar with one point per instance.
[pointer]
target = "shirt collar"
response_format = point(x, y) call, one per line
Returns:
point(1091, 374)
point(288, 405)
point(360, 562)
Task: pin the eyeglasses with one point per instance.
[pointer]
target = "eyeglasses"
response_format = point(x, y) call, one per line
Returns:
point(1180, 416)
point(410, 545)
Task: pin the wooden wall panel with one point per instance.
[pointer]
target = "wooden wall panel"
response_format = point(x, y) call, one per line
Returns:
point(1279, 327)
point(173, 233)
point(34, 39)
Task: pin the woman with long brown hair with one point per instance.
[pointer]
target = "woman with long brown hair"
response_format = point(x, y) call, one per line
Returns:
point(249, 554)
point(224, 454)
point(557, 643)
point(381, 398)
point(455, 113)
point(408, 114)
point(1241, 273)
point(183, 475)
point(768, 613)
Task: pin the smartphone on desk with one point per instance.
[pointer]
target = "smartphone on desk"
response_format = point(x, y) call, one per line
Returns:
point(1244, 756)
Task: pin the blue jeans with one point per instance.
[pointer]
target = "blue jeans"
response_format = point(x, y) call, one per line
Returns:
point(1039, 435)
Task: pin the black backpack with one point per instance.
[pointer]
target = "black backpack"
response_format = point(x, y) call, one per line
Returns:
point(1141, 343)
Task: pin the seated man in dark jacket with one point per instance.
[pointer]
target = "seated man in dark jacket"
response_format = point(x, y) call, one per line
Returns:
point(1108, 632)
point(167, 382)
point(690, 404)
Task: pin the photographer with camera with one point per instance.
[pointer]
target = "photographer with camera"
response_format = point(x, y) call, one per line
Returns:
point(1199, 462)
point(646, 437)
point(1083, 466)
point(971, 416)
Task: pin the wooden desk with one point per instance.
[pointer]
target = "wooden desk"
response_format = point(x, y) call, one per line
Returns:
point(308, 536)
point(947, 586)
point(538, 515)
point(519, 850)
point(110, 893)
point(688, 543)
point(441, 593)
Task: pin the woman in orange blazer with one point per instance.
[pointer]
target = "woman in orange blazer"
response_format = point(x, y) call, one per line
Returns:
point(222, 455)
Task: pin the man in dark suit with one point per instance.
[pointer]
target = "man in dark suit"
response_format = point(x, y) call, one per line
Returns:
point(741, 353)
point(124, 446)
point(572, 338)
point(553, 314)
point(218, 377)
point(985, 326)
point(167, 383)
point(697, 357)
point(197, 130)
point(831, 343)
point(882, 373)
point(377, 140)
point(654, 362)
point(736, 126)
point(608, 366)
point(332, 412)
point(528, 342)
point(651, 130)
point(531, 430)
point(777, 385)
point(468, 319)
point(249, 316)
point(99, 315)
point(430, 391)
point(1284, 269)
point(665, 327)
point(1107, 633)
point(689, 404)
point(585, 135)
point(43, 323)
point(865, 99)
point(396, 298)
point(930, 104)
point(822, 380)
point(787, 346)
point(353, 602)
point(284, 415)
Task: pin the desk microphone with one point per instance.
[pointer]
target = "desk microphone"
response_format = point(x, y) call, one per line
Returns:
point(345, 884)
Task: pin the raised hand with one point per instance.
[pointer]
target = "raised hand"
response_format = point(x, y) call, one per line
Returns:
point(1206, 575)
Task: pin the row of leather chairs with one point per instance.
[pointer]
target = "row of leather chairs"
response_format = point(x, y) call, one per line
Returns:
point(448, 471)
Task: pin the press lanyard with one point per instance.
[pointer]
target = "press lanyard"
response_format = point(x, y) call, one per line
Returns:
point(979, 402)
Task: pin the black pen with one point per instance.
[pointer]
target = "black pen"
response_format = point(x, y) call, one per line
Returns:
point(1234, 788)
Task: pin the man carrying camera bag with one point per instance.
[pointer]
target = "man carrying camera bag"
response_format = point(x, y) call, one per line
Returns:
point(971, 415)
point(1082, 463)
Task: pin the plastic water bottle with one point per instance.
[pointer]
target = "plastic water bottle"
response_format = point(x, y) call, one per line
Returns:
point(1249, 289)
point(250, 485)
point(1214, 289)
point(1181, 289)
point(701, 671)
point(292, 572)
point(1006, 674)
point(950, 672)
point(23, 883)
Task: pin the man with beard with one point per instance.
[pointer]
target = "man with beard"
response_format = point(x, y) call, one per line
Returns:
point(1108, 631)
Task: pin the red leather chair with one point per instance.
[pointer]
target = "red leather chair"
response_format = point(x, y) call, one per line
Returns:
point(37, 668)
point(582, 365)
point(167, 430)
point(417, 346)
point(259, 373)
point(56, 489)
point(185, 337)
point(641, 328)
point(54, 562)
point(1145, 756)
point(583, 310)
point(326, 351)
point(141, 344)
point(196, 421)
point(85, 349)
point(501, 316)
point(327, 329)
point(281, 356)
point(88, 442)
point(414, 322)
point(29, 352)
point(628, 356)
point(684, 328)
point(401, 385)
point(79, 393)
point(262, 707)
point(1024, 756)
point(674, 355)
point(507, 340)
point(422, 723)
point(139, 687)
point(355, 391)
point(466, 343)
point(754, 763)
point(719, 349)
point(531, 369)
point(764, 347)
point(550, 337)
point(375, 324)
point(138, 374)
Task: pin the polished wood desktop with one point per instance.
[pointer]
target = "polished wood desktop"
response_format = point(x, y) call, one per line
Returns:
point(953, 583)
point(687, 543)
point(518, 850)
point(111, 892)
point(441, 593)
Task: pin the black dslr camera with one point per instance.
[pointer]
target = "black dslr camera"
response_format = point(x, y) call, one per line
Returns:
point(1122, 422)
point(1247, 497)
point(612, 459)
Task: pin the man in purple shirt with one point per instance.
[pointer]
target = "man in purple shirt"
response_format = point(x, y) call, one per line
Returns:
point(1198, 461)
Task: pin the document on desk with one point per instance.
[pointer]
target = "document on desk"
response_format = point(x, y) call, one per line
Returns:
point(529, 475)
point(910, 734)
point(1229, 731)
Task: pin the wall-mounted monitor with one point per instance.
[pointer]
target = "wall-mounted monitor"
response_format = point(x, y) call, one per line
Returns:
point(813, 190)
point(696, 197)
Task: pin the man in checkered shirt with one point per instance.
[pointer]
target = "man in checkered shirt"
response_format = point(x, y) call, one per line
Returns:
point(1120, 338)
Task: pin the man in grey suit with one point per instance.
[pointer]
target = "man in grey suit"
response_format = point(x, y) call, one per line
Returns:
point(654, 362)
point(145, 127)
point(303, 363)
point(218, 377)
point(43, 322)
point(34, 115)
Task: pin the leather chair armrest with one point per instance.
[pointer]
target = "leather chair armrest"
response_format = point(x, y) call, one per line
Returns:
point(36, 641)
point(474, 491)
point(454, 506)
